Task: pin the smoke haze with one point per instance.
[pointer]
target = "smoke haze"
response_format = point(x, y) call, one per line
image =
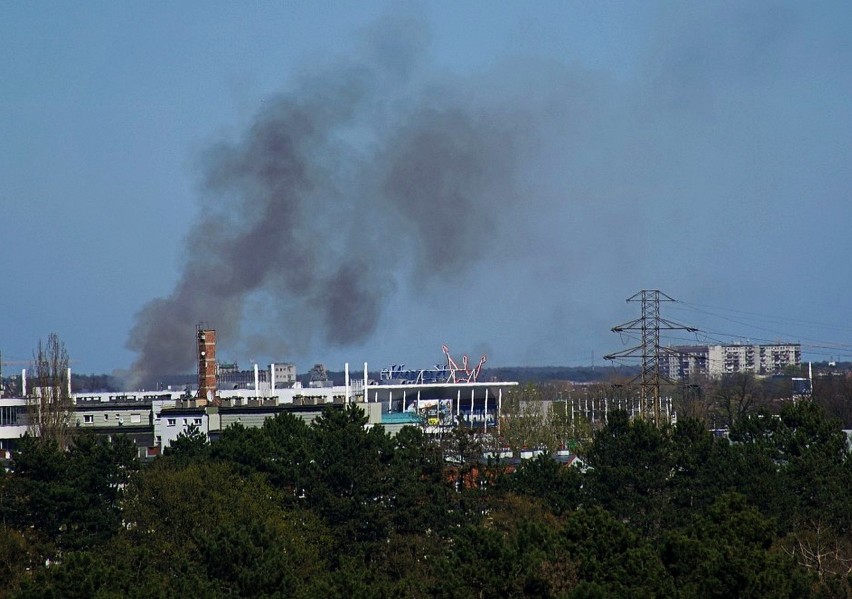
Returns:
point(357, 181)
point(545, 191)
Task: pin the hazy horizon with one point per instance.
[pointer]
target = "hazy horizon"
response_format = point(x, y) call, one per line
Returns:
point(368, 181)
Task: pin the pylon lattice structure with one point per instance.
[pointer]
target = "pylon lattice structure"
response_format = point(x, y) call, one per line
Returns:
point(649, 324)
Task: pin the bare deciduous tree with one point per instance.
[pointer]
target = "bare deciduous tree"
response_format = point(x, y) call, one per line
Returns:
point(532, 420)
point(49, 403)
point(820, 548)
point(737, 395)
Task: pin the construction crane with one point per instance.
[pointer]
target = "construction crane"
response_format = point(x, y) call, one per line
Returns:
point(463, 374)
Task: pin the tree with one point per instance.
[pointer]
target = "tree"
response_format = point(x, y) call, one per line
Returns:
point(346, 479)
point(726, 551)
point(631, 465)
point(689, 400)
point(190, 446)
point(281, 449)
point(614, 559)
point(736, 396)
point(834, 394)
point(49, 402)
point(423, 495)
point(16, 558)
point(196, 529)
point(529, 421)
point(559, 486)
point(64, 500)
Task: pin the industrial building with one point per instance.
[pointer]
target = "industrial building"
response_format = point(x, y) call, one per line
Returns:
point(434, 399)
point(277, 376)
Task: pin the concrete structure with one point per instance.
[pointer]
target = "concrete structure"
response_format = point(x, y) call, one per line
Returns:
point(688, 361)
point(130, 414)
point(276, 376)
point(14, 423)
point(172, 421)
point(764, 360)
point(119, 415)
point(434, 405)
point(186, 416)
point(685, 362)
point(154, 420)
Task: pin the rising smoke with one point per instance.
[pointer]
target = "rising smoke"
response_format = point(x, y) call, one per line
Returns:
point(361, 178)
point(373, 180)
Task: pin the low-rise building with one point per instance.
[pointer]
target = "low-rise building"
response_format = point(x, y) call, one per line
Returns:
point(14, 423)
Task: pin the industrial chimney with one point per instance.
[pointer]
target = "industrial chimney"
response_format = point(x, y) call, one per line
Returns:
point(206, 364)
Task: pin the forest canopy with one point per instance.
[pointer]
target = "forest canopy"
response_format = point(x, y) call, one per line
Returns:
point(338, 509)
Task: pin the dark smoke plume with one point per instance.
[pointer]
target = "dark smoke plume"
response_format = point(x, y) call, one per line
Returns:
point(297, 214)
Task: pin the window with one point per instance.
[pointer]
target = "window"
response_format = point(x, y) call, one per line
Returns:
point(106, 416)
point(170, 422)
point(89, 419)
point(9, 415)
point(135, 418)
point(197, 422)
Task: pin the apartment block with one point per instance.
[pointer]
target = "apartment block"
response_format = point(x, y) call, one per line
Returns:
point(688, 361)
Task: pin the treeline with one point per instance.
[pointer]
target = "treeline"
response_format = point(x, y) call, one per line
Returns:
point(577, 374)
point(335, 509)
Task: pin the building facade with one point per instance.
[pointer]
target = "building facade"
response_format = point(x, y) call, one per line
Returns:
point(154, 420)
point(276, 376)
point(687, 362)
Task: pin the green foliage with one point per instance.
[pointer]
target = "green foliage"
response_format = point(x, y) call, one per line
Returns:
point(559, 486)
point(631, 465)
point(66, 500)
point(15, 559)
point(345, 480)
point(281, 450)
point(337, 508)
point(725, 552)
point(615, 561)
point(190, 446)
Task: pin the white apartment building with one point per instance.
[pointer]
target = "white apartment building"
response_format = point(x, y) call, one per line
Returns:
point(684, 362)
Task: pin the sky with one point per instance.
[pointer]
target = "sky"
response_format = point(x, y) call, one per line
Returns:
point(366, 181)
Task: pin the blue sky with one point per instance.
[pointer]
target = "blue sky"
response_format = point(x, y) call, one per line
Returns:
point(581, 151)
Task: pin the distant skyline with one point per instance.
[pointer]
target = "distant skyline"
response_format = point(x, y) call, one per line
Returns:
point(365, 181)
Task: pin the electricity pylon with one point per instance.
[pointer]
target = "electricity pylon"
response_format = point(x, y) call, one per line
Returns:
point(650, 324)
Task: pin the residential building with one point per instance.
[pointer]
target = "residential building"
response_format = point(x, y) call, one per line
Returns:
point(688, 361)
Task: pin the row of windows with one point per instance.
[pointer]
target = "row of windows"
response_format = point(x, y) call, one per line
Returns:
point(173, 421)
point(134, 418)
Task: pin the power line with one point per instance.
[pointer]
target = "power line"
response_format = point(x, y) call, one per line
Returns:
point(757, 315)
point(805, 342)
point(649, 350)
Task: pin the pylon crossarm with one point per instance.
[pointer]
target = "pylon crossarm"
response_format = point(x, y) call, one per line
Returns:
point(633, 325)
point(627, 353)
point(670, 325)
point(649, 351)
point(658, 296)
